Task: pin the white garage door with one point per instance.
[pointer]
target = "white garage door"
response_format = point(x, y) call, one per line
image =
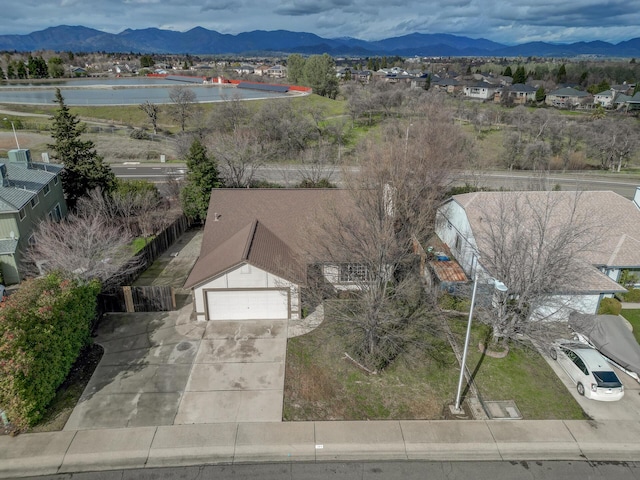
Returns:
point(247, 304)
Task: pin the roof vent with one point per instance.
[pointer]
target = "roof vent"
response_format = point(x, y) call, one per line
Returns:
point(4, 181)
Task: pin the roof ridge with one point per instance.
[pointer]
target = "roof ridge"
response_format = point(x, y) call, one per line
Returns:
point(250, 238)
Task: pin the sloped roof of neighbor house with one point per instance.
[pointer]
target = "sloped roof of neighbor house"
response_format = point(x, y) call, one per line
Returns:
point(270, 228)
point(613, 220)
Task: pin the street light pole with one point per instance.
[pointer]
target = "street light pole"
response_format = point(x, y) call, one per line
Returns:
point(14, 132)
point(466, 344)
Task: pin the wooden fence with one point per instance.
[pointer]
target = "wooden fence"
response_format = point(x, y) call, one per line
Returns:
point(127, 298)
point(158, 298)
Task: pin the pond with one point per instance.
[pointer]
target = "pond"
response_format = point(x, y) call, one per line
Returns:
point(120, 91)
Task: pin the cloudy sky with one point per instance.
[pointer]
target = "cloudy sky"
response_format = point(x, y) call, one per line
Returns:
point(504, 21)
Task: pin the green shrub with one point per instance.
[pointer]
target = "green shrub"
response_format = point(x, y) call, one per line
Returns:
point(610, 306)
point(633, 295)
point(139, 134)
point(43, 327)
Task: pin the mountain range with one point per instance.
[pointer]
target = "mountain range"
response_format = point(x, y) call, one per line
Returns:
point(200, 41)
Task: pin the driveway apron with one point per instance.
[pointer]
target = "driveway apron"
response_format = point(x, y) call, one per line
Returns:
point(238, 374)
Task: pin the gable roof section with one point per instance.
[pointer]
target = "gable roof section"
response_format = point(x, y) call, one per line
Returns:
point(269, 228)
point(616, 219)
point(568, 92)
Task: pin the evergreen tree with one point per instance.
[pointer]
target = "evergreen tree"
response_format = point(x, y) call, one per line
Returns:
point(540, 95)
point(11, 73)
point(21, 70)
point(561, 76)
point(84, 170)
point(507, 72)
point(520, 75)
point(202, 177)
point(295, 68)
point(320, 75)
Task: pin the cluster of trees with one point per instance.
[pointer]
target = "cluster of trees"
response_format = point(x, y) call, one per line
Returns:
point(316, 71)
point(545, 139)
point(93, 242)
point(34, 67)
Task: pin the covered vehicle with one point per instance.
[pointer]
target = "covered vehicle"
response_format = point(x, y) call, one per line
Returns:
point(611, 336)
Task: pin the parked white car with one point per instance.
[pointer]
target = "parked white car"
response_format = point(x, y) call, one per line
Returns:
point(593, 375)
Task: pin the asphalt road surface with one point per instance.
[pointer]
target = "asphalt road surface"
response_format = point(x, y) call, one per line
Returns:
point(290, 175)
point(400, 470)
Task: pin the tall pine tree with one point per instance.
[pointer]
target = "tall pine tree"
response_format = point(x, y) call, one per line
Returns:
point(84, 170)
point(202, 177)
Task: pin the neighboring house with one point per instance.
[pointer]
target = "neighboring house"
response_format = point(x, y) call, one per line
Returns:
point(460, 225)
point(244, 69)
point(482, 90)
point(520, 93)
point(29, 193)
point(261, 70)
point(256, 249)
point(277, 71)
point(567, 97)
point(449, 85)
point(605, 99)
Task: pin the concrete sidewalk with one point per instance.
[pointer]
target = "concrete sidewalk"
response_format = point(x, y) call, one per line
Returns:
point(229, 443)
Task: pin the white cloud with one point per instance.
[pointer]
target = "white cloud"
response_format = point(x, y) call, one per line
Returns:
point(507, 21)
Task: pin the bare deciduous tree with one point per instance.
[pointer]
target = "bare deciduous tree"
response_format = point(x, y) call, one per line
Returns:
point(318, 166)
point(183, 99)
point(534, 243)
point(230, 114)
point(84, 245)
point(152, 110)
point(240, 155)
point(612, 142)
point(369, 243)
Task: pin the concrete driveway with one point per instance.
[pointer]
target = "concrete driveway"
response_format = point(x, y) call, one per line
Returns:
point(164, 369)
point(628, 408)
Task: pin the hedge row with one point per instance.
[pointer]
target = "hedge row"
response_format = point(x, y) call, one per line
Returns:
point(43, 327)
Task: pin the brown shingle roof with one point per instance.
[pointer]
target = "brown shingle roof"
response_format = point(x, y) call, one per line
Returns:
point(266, 227)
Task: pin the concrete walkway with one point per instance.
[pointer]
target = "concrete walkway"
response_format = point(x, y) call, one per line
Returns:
point(229, 443)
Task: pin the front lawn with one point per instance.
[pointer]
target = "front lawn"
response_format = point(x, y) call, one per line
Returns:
point(322, 384)
point(523, 376)
point(633, 316)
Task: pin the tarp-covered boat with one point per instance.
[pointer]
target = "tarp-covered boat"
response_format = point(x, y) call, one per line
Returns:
point(611, 336)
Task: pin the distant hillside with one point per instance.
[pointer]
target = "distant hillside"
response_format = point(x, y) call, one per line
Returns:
point(200, 41)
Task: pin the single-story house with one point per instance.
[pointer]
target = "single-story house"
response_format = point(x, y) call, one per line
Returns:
point(567, 97)
point(256, 249)
point(463, 219)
